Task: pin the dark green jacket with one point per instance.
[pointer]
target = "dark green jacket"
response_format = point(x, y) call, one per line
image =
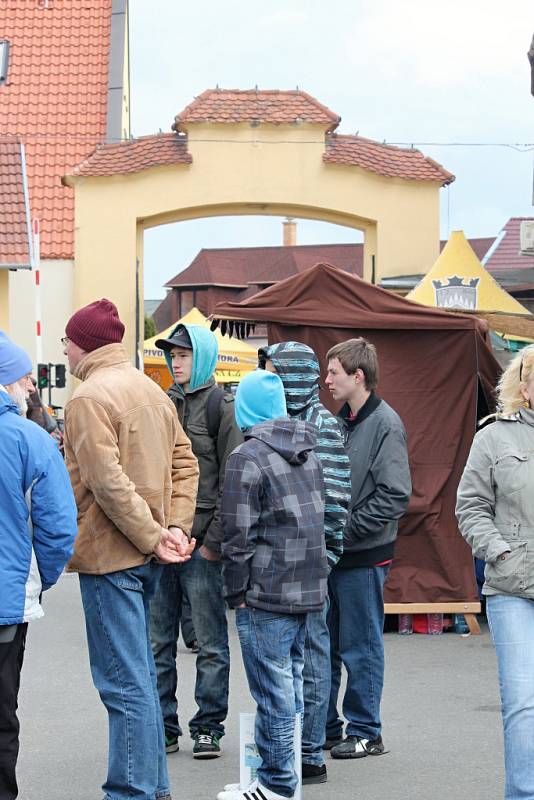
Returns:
point(211, 453)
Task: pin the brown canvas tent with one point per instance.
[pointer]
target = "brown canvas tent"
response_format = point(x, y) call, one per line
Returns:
point(437, 370)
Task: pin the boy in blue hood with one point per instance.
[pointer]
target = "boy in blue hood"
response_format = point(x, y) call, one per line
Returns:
point(275, 568)
point(298, 368)
point(207, 417)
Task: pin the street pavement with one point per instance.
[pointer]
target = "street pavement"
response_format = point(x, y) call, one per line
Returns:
point(440, 714)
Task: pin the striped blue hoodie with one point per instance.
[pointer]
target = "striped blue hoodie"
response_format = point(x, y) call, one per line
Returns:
point(298, 367)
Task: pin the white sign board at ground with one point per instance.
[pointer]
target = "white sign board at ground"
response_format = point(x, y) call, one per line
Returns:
point(249, 758)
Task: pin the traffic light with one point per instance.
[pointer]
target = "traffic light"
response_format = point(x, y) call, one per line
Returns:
point(43, 375)
point(60, 376)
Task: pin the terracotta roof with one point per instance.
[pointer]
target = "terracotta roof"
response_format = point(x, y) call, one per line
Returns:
point(241, 266)
point(134, 156)
point(506, 253)
point(14, 234)
point(384, 159)
point(299, 258)
point(55, 100)
point(265, 105)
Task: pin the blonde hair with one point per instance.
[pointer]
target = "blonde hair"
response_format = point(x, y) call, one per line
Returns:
point(516, 375)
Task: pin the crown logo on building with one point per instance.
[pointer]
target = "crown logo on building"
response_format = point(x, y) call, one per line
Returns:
point(455, 293)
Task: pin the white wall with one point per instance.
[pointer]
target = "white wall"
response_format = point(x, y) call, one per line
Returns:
point(57, 299)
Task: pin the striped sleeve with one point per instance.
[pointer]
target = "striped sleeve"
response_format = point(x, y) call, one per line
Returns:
point(336, 475)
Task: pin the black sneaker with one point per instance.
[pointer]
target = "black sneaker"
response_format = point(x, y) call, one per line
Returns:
point(357, 747)
point(313, 773)
point(206, 744)
point(171, 743)
point(331, 742)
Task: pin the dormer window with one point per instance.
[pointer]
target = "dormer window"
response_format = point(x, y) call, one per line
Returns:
point(4, 59)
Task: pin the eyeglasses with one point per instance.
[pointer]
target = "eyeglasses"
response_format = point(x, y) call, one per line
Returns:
point(65, 340)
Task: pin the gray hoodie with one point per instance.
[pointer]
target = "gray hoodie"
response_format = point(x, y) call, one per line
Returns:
point(272, 510)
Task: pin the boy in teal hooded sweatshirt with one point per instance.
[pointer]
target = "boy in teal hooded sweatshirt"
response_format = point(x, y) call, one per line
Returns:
point(207, 417)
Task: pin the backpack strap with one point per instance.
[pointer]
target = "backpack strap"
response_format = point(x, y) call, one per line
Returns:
point(214, 411)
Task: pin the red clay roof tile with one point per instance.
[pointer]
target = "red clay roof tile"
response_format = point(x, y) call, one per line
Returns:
point(55, 100)
point(265, 105)
point(506, 255)
point(14, 247)
point(235, 268)
point(133, 156)
point(240, 266)
point(384, 159)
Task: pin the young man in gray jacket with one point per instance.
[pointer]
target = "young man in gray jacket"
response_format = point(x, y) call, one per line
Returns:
point(380, 490)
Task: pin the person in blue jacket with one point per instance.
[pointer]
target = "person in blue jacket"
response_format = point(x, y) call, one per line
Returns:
point(37, 531)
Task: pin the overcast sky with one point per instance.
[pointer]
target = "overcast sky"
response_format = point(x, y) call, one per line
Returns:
point(418, 71)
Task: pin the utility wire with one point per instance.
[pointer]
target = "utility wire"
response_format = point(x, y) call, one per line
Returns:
point(521, 147)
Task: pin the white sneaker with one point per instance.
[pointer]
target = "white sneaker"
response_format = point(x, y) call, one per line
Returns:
point(254, 792)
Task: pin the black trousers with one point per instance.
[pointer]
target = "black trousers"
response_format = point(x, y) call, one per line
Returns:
point(11, 656)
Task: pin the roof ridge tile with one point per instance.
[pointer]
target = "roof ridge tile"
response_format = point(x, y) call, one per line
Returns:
point(271, 106)
point(383, 159)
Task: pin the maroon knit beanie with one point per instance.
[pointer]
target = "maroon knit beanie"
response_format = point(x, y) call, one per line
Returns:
point(95, 325)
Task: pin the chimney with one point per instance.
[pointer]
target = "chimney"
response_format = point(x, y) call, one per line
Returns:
point(290, 232)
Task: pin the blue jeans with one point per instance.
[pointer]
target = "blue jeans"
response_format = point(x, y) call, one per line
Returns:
point(186, 623)
point(201, 582)
point(116, 608)
point(511, 621)
point(316, 677)
point(165, 615)
point(272, 646)
point(356, 622)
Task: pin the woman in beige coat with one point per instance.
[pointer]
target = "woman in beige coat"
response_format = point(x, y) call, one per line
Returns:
point(495, 511)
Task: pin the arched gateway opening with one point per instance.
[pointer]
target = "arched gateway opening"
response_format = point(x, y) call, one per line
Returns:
point(249, 153)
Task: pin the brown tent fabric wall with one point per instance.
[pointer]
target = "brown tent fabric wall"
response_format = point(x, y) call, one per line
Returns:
point(430, 366)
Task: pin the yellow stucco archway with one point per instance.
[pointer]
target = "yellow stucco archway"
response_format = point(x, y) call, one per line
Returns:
point(249, 153)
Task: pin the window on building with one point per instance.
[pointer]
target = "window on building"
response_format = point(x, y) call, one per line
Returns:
point(4, 59)
point(187, 301)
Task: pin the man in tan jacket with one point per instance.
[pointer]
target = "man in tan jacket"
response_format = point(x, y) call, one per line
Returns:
point(135, 481)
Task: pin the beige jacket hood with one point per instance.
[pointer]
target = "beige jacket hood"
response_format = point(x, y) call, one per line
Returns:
point(131, 465)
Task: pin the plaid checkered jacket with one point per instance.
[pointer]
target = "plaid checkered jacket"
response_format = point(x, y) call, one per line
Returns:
point(272, 510)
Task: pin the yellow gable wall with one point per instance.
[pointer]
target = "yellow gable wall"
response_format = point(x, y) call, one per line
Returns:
point(238, 169)
point(4, 300)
